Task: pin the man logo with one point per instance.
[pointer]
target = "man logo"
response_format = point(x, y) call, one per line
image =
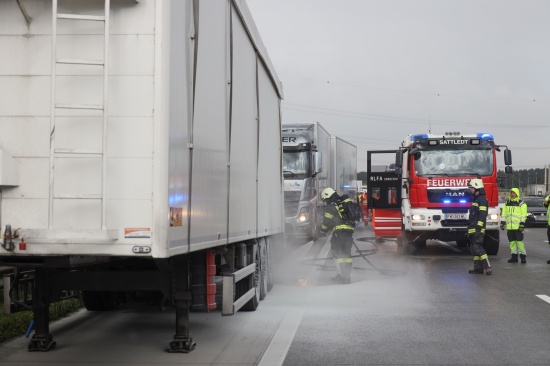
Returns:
point(455, 194)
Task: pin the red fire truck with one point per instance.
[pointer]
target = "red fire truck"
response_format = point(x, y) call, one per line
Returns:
point(424, 195)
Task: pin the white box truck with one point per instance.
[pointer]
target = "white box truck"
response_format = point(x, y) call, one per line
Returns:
point(312, 161)
point(140, 150)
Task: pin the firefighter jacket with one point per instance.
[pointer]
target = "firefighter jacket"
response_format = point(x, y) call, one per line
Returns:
point(477, 218)
point(514, 212)
point(333, 218)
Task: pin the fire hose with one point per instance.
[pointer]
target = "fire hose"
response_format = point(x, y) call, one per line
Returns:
point(363, 253)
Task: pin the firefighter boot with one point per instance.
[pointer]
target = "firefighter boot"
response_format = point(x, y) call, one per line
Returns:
point(346, 272)
point(338, 277)
point(478, 269)
point(486, 265)
point(523, 256)
point(514, 258)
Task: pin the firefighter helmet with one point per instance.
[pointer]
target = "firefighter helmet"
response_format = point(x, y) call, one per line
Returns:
point(475, 183)
point(327, 193)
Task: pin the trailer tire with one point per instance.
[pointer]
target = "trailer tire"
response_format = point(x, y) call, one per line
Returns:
point(269, 269)
point(263, 268)
point(99, 300)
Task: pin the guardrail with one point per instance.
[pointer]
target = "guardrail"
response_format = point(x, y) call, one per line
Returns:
point(229, 307)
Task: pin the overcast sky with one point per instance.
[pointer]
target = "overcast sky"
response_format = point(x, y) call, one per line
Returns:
point(373, 71)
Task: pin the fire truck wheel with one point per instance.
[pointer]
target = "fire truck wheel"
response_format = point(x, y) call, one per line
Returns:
point(491, 242)
point(399, 241)
point(420, 244)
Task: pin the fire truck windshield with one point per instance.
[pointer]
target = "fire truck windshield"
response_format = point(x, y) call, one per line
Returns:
point(454, 162)
point(296, 163)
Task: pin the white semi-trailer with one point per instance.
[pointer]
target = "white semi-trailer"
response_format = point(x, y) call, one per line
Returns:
point(140, 150)
point(312, 161)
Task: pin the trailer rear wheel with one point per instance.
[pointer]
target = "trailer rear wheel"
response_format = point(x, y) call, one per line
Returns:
point(99, 300)
point(269, 270)
point(263, 268)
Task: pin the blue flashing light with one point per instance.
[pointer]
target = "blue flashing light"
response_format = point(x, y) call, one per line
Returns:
point(419, 137)
point(463, 201)
point(446, 201)
point(485, 136)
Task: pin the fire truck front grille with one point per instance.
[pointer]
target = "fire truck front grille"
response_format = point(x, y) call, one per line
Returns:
point(454, 223)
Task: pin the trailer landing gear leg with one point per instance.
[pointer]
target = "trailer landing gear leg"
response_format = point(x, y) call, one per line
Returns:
point(182, 342)
point(42, 340)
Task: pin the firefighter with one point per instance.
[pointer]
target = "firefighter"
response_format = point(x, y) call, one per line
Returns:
point(477, 221)
point(342, 232)
point(514, 214)
point(547, 204)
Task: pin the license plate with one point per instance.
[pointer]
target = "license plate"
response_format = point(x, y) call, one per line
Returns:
point(455, 216)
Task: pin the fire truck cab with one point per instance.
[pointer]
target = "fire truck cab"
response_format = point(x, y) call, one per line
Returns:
point(424, 194)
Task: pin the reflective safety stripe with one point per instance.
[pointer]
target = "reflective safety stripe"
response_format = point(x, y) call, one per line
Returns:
point(476, 257)
point(484, 256)
point(514, 214)
point(482, 208)
point(328, 215)
point(343, 227)
point(343, 260)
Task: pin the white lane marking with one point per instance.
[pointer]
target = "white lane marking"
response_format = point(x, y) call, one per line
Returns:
point(275, 353)
point(544, 298)
point(449, 246)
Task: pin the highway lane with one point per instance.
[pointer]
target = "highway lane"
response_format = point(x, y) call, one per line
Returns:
point(399, 309)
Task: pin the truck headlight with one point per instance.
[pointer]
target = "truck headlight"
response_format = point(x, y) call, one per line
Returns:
point(494, 217)
point(418, 217)
point(304, 215)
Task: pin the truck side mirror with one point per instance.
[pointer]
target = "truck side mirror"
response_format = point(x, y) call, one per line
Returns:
point(508, 157)
point(399, 158)
point(508, 170)
point(318, 162)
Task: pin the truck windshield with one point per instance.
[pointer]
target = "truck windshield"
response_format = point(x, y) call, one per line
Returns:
point(454, 162)
point(295, 163)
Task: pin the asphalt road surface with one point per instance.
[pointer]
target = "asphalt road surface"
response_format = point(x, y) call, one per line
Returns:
point(400, 309)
